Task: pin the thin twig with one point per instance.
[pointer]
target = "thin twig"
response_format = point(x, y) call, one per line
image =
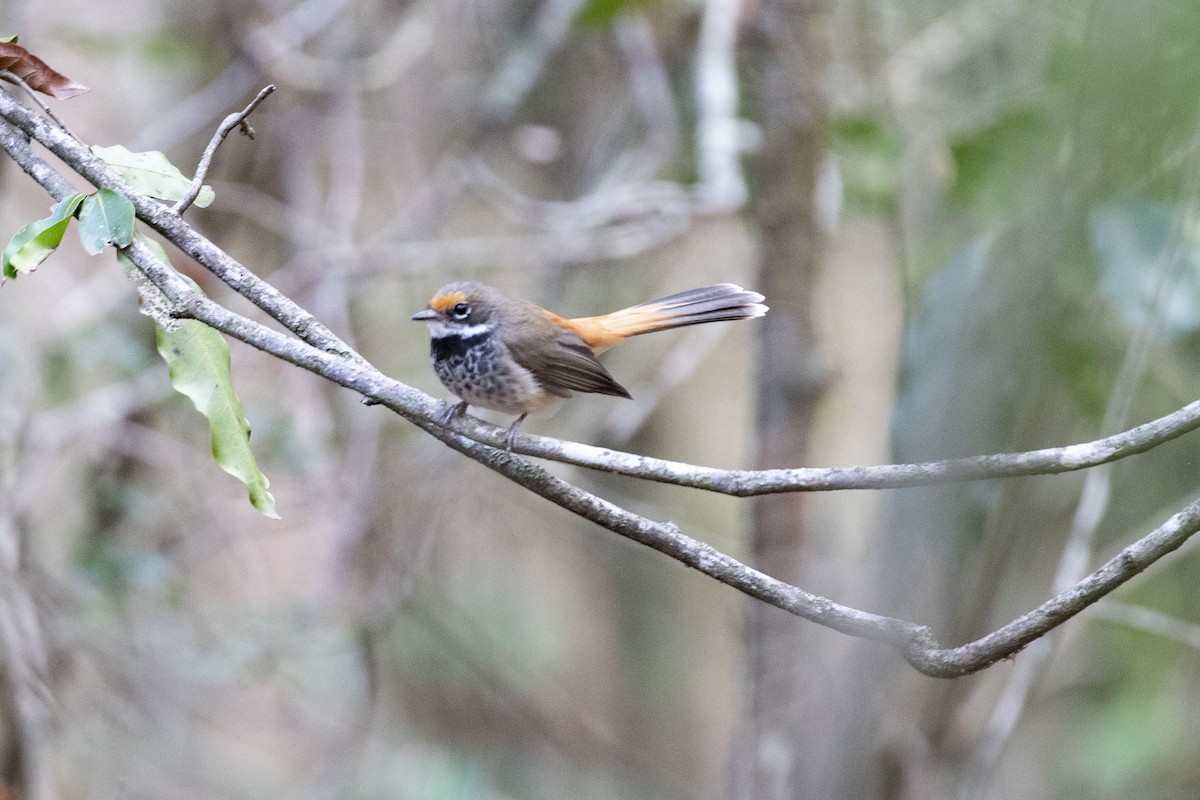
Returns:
point(16, 79)
point(232, 121)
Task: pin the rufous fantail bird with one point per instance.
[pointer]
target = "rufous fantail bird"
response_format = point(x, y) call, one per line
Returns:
point(518, 358)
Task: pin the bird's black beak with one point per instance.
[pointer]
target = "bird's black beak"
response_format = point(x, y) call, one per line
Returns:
point(425, 315)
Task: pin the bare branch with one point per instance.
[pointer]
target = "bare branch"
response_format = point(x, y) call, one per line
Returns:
point(750, 483)
point(322, 353)
point(170, 225)
point(232, 121)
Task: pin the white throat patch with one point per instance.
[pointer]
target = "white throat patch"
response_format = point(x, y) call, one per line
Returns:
point(439, 329)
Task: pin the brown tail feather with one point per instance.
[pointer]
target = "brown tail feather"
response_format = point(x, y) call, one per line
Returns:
point(725, 301)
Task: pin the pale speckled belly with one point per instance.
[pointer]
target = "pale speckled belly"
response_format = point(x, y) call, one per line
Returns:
point(480, 371)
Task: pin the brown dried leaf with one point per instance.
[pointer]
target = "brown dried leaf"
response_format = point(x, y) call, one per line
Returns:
point(37, 73)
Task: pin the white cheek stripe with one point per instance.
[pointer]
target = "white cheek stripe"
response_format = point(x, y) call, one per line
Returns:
point(441, 329)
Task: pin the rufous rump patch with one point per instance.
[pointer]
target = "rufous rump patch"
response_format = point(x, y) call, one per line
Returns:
point(608, 330)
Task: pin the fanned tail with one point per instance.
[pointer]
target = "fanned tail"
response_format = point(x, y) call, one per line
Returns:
point(724, 301)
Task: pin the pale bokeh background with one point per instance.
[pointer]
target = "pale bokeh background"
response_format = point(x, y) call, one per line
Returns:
point(1006, 196)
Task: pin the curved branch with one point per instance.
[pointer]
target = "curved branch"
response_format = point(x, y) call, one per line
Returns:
point(751, 483)
point(320, 353)
point(230, 122)
point(915, 641)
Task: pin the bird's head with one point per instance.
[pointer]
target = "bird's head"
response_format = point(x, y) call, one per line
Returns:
point(463, 308)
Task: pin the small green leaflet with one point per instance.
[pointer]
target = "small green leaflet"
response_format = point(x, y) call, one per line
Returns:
point(198, 361)
point(151, 173)
point(106, 218)
point(32, 244)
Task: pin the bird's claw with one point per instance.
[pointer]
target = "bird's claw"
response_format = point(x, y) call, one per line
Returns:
point(511, 436)
point(453, 412)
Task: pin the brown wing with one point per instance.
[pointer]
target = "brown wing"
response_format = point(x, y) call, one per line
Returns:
point(567, 365)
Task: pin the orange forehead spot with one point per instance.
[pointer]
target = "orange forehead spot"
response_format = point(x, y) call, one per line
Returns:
point(442, 302)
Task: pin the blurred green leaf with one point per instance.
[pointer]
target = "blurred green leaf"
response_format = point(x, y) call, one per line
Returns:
point(1079, 360)
point(178, 48)
point(949, 376)
point(9, 39)
point(1130, 735)
point(968, 355)
point(1137, 243)
point(868, 152)
point(34, 243)
point(117, 569)
point(105, 218)
point(151, 173)
point(198, 360)
point(602, 13)
point(993, 165)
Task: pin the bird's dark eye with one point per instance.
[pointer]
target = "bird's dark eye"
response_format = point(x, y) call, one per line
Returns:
point(460, 310)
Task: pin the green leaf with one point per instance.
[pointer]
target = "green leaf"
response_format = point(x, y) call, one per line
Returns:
point(995, 165)
point(32, 244)
point(9, 39)
point(151, 173)
point(106, 218)
point(198, 360)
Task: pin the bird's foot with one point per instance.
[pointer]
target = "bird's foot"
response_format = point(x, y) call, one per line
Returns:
point(511, 436)
point(453, 412)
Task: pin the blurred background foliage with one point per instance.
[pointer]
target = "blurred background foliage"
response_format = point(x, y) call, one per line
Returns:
point(1007, 259)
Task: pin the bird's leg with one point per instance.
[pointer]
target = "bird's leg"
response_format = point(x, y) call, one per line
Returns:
point(454, 412)
point(511, 436)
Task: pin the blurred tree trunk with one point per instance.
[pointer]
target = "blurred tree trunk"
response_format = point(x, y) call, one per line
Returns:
point(24, 715)
point(784, 62)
